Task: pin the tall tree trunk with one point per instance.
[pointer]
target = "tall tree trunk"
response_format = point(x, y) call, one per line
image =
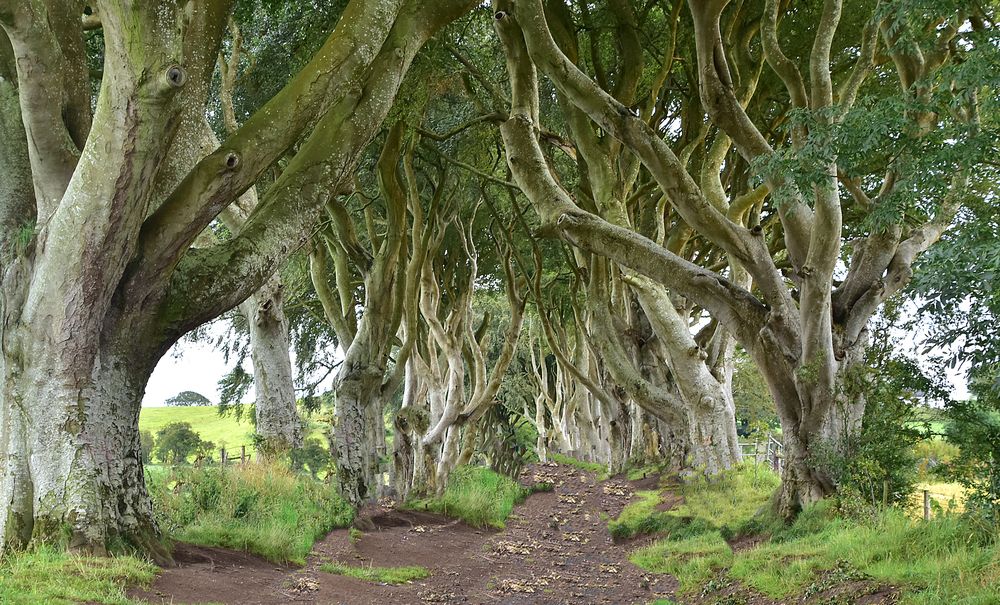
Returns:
point(810, 440)
point(359, 420)
point(74, 466)
point(279, 427)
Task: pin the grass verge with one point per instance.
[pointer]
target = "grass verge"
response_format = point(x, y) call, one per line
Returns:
point(383, 575)
point(476, 495)
point(709, 504)
point(54, 577)
point(260, 508)
point(931, 562)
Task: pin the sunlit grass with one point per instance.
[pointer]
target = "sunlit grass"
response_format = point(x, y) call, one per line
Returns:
point(54, 577)
point(476, 495)
point(591, 467)
point(944, 496)
point(384, 575)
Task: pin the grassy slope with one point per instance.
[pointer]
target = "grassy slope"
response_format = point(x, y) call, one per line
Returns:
point(261, 508)
point(205, 420)
point(932, 562)
point(223, 431)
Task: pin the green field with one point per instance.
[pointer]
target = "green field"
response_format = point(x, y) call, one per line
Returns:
point(223, 431)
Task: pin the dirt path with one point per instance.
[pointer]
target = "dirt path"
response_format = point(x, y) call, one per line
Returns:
point(555, 550)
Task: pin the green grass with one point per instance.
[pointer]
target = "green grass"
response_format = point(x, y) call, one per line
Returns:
point(935, 562)
point(54, 577)
point(222, 431)
point(260, 508)
point(640, 517)
point(476, 495)
point(383, 575)
point(634, 473)
point(710, 504)
point(590, 467)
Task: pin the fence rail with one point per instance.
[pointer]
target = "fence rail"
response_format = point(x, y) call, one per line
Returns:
point(770, 452)
point(226, 457)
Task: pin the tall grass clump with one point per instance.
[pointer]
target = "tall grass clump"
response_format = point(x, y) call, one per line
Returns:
point(260, 508)
point(55, 577)
point(476, 495)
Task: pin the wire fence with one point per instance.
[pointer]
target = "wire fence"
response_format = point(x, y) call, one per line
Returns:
point(770, 452)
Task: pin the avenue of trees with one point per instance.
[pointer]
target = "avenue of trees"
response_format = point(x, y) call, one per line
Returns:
point(599, 219)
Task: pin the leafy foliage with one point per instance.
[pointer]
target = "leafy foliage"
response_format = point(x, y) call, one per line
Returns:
point(507, 440)
point(894, 386)
point(313, 456)
point(974, 426)
point(146, 443)
point(177, 442)
point(186, 398)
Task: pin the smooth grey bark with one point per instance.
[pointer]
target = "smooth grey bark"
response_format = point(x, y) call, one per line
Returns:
point(278, 425)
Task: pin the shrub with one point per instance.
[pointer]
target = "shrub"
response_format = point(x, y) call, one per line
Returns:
point(177, 441)
point(146, 442)
point(974, 426)
point(507, 440)
point(476, 495)
point(312, 456)
point(261, 508)
point(932, 454)
point(186, 398)
point(883, 450)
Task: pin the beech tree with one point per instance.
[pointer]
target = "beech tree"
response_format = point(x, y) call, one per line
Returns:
point(899, 78)
point(100, 276)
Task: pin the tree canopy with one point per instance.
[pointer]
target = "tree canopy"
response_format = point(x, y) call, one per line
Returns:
point(577, 218)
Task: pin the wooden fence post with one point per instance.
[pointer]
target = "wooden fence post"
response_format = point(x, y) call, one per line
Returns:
point(885, 492)
point(243, 454)
point(222, 456)
point(927, 505)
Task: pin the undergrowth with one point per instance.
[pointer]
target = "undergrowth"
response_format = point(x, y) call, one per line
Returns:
point(476, 495)
point(260, 508)
point(941, 561)
point(55, 577)
point(384, 575)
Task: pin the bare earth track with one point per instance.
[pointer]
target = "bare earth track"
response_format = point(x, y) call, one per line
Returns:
point(555, 550)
